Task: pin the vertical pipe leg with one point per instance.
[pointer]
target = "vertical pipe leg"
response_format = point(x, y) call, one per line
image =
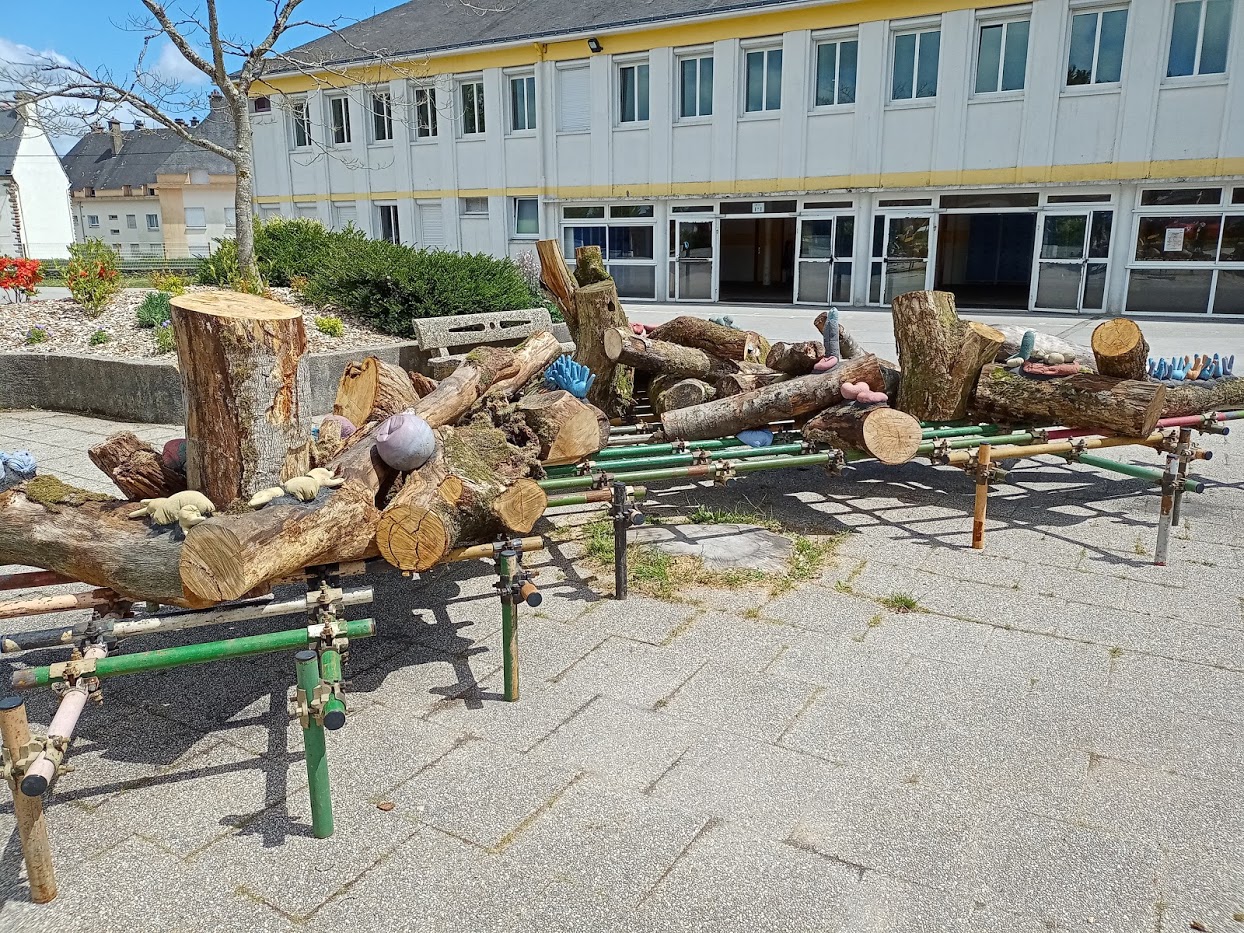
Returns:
point(1168, 507)
point(308, 664)
point(507, 569)
point(330, 673)
point(1185, 456)
point(620, 522)
point(983, 454)
point(31, 828)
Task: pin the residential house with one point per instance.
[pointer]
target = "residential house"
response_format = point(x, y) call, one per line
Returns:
point(34, 192)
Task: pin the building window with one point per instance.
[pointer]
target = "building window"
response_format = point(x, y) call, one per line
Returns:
point(131, 221)
point(196, 218)
point(153, 222)
point(915, 64)
point(344, 215)
point(473, 205)
point(1096, 52)
point(382, 117)
point(826, 250)
point(526, 217)
point(835, 72)
point(626, 242)
point(763, 80)
point(1001, 56)
point(1199, 37)
point(695, 94)
point(522, 103)
point(231, 217)
point(112, 216)
point(472, 107)
point(92, 220)
point(425, 112)
point(574, 100)
point(633, 93)
point(387, 221)
point(339, 120)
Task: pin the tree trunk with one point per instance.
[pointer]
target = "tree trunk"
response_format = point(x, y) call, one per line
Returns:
point(939, 355)
point(891, 436)
point(683, 394)
point(795, 358)
point(136, 467)
point(1046, 344)
point(654, 356)
point(597, 310)
point(534, 355)
point(726, 343)
point(1099, 403)
point(473, 487)
point(556, 275)
point(242, 384)
point(590, 266)
point(1201, 396)
point(849, 346)
point(569, 428)
point(1120, 349)
point(373, 389)
point(760, 407)
point(728, 384)
point(244, 191)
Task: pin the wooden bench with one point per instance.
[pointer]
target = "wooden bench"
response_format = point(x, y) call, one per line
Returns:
point(444, 341)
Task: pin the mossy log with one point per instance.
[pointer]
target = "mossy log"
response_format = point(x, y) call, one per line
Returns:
point(589, 266)
point(1201, 396)
point(797, 359)
point(533, 356)
point(726, 343)
point(650, 355)
point(682, 393)
point(1099, 403)
point(598, 310)
point(892, 436)
point(135, 467)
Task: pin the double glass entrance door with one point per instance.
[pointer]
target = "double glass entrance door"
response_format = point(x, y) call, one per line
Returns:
point(1071, 262)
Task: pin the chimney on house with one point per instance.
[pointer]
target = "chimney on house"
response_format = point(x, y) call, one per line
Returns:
point(179, 121)
point(194, 121)
point(140, 124)
point(215, 101)
point(114, 127)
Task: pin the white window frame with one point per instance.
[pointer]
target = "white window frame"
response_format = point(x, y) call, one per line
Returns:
point(465, 212)
point(189, 225)
point(347, 134)
point(1093, 84)
point(153, 226)
point(607, 220)
point(621, 65)
point(481, 112)
point(299, 110)
point(983, 22)
point(231, 218)
point(697, 55)
point(527, 78)
point(514, 208)
point(915, 28)
point(837, 37)
point(1197, 76)
point(131, 221)
point(764, 47)
point(388, 208)
point(423, 100)
point(587, 78)
point(92, 221)
point(375, 129)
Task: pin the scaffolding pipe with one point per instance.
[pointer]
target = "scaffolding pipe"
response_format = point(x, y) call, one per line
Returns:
point(1149, 474)
point(592, 496)
point(32, 829)
point(315, 749)
point(33, 579)
point(962, 457)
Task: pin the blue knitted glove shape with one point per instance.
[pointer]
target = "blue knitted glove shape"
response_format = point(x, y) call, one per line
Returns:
point(566, 374)
point(1180, 367)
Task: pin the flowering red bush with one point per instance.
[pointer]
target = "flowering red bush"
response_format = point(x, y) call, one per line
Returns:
point(92, 275)
point(20, 277)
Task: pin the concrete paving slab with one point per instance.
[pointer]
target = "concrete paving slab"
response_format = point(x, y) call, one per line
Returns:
point(722, 546)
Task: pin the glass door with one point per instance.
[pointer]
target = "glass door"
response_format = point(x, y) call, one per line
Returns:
point(826, 248)
point(1071, 261)
point(693, 264)
point(900, 256)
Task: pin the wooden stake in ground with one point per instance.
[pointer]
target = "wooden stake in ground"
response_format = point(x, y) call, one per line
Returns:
point(1120, 349)
point(136, 467)
point(242, 384)
point(1088, 400)
point(891, 436)
point(726, 343)
point(982, 496)
point(569, 428)
point(31, 827)
point(940, 355)
point(373, 388)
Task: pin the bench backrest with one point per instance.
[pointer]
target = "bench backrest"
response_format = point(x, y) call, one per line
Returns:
point(471, 330)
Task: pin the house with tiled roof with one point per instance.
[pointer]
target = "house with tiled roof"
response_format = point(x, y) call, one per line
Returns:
point(34, 202)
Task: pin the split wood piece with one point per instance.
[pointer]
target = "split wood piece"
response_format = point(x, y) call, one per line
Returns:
point(1045, 345)
point(1120, 349)
point(423, 385)
point(474, 486)
point(533, 356)
point(590, 266)
point(849, 346)
point(940, 356)
point(597, 311)
point(651, 355)
point(682, 393)
point(795, 358)
point(890, 435)
point(372, 388)
point(1088, 400)
point(243, 388)
point(733, 383)
point(556, 275)
point(726, 343)
point(1201, 396)
point(32, 829)
point(136, 467)
point(799, 396)
point(569, 428)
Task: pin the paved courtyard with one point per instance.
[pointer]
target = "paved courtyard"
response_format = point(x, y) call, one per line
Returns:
point(1052, 740)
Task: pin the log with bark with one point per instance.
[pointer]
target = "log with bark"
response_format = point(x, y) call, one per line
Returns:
point(799, 396)
point(136, 467)
point(726, 343)
point(589, 266)
point(1088, 400)
point(533, 356)
point(1045, 344)
point(940, 356)
point(728, 384)
point(1120, 349)
point(680, 393)
point(890, 435)
point(650, 355)
point(569, 428)
point(372, 388)
point(596, 311)
point(849, 346)
point(423, 385)
point(243, 386)
point(1201, 396)
point(797, 359)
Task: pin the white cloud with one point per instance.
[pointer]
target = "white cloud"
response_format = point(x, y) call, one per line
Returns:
point(172, 66)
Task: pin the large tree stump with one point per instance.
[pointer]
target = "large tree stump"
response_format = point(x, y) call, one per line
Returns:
point(242, 384)
point(1120, 349)
point(569, 428)
point(794, 358)
point(1045, 344)
point(940, 356)
point(373, 388)
point(655, 356)
point(891, 436)
point(533, 356)
point(726, 343)
point(1098, 403)
point(1201, 396)
point(682, 393)
point(760, 407)
point(136, 467)
point(597, 310)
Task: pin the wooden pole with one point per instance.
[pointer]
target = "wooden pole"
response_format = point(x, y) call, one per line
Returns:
point(961, 458)
point(982, 496)
point(31, 827)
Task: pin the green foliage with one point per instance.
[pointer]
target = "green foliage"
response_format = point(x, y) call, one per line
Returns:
point(154, 311)
point(221, 268)
point(36, 335)
point(900, 602)
point(99, 338)
point(289, 249)
point(703, 515)
point(164, 341)
point(92, 275)
point(169, 282)
point(329, 325)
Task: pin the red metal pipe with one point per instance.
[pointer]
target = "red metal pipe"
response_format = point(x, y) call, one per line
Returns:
point(32, 579)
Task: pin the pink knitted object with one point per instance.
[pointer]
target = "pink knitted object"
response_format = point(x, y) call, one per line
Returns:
point(824, 364)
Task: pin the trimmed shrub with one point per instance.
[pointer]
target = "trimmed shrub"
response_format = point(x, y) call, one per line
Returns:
point(169, 282)
point(92, 275)
point(288, 249)
point(221, 268)
point(154, 310)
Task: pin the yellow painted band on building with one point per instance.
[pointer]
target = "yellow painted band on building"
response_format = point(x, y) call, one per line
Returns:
point(639, 39)
point(1099, 172)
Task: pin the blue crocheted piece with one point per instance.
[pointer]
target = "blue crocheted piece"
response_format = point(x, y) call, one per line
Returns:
point(16, 467)
point(830, 335)
point(758, 437)
point(565, 373)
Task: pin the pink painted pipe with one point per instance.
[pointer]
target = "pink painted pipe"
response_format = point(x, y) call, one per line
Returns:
point(39, 775)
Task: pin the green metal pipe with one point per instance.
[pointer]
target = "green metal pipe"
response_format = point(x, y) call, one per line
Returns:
point(184, 655)
point(507, 568)
point(968, 430)
point(330, 673)
point(643, 450)
point(1152, 475)
point(700, 470)
point(315, 750)
point(740, 452)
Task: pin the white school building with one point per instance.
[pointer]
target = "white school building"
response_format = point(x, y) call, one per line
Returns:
point(1052, 155)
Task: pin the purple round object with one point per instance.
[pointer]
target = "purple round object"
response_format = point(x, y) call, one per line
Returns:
point(405, 442)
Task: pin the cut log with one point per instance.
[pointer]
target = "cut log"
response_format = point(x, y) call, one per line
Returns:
point(939, 355)
point(1120, 349)
point(422, 384)
point(460, 496)
point(460, 390)
point(755, 409)
point(726, 343)
point(1045, 345)
point(1099, 403)
point(795, 358)
point(242, 386)
point(556, 275)
point(891, 436)
point(598, 310)
point(728, 384)
point(569, 428)
point(372, 388)
point(533, 356)
point(1201, 396)
point(683, 394)
point(655, 356)
point(849, 346)
point(136, 467)
point(590, 266)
